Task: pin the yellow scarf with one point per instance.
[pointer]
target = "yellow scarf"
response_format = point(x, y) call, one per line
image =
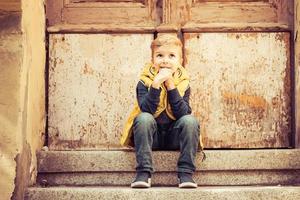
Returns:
point(181, 81)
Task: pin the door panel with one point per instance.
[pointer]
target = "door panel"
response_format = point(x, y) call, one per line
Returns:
point(233, 14)
point(90, 13)
point(92, 80)
point(241, 88)
point(237, 52)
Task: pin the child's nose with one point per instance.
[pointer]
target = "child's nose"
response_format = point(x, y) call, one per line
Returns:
point(165, 60)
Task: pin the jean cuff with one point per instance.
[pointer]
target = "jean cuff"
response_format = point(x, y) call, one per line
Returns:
point(185, 170)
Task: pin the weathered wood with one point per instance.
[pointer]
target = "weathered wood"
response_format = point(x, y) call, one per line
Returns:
point(234, 27)
point(193, 14)
point(297, 74)
point(101, 28)
point(168, 28)
point(240, 86)
point(92, 80)
point(154, 11)
point(233, 12)
point(166, 14)
point(53, 11)
point(10, 5)
point(180, 12)
point(136, 13)
point(106, 1)
point(173, 13)
point(108, 4)
point(285, 11)
point(251, 112)
point(106, 16)
point(201, 1)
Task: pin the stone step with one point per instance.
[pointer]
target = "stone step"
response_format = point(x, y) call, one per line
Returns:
point(160, 193)
point(221, 167)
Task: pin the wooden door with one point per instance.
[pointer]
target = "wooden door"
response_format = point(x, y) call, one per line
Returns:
point(236, 51)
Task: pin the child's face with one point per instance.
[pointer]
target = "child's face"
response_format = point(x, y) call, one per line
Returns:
point(167, 56)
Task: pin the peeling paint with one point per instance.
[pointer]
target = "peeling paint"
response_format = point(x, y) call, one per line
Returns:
point(87, 69)
point(11, 53)
point(92, 90)
point(22, 178)
point(241, 88)
point(248, 100)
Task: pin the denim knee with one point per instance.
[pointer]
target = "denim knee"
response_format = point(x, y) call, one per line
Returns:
point(188, 121)
point(144, 120)
point(190, 127)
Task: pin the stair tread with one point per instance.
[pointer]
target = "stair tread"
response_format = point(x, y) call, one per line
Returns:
point(218, 178)
point(165, 161)
point(211, 192)
point(214, 188)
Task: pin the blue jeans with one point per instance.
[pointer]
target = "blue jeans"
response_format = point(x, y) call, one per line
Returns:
point(182, 134)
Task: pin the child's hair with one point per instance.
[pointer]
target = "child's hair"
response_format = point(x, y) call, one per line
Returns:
point(166, 40)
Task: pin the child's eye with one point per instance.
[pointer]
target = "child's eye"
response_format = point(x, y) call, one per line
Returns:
point(172, 56)
point(159, 55)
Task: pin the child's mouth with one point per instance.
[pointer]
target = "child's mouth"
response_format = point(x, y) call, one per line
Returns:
point(164, 66)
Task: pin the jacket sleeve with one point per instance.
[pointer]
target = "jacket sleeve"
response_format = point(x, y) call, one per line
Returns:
point(179, 105)
point(148, 100)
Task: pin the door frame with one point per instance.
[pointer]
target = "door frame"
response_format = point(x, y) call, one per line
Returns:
point(174, 16)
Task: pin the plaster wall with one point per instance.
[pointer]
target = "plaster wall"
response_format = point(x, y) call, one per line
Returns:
point(33, 80)
point(22, 110)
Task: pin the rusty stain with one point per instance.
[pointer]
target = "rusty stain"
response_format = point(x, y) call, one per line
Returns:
point(191, 36)
point(98, 105)
point(248, 100)
point(275, 102)
point(235, 96)
point(240, 88)
point(280, 38)
point(87, 69)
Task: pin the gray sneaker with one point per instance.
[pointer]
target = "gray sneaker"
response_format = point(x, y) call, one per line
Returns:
point(142, 180)
point(186, 181)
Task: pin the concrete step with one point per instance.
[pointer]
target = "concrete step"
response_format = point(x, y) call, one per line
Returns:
point(160, 193)
point(221, 167)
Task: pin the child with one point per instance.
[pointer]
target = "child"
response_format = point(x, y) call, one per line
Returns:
point(161, 118)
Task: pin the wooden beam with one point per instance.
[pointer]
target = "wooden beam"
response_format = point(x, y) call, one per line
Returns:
point(12, 6)
point(121, 16)
point(54, 11)
point(201, 1)
point(245, 15)
point(235, 27)
point(297, 73)
point(233, 12)
point(136, 13)
point(284, 10)
point(168, 28)
point(101, 28)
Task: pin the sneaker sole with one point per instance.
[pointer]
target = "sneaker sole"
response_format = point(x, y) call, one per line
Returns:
point(141, 184)
point(188, 185)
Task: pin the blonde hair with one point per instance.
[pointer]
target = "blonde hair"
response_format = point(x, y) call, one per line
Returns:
point(166, 40)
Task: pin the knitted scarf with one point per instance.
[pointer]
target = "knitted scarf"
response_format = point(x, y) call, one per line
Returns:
point(181, 81)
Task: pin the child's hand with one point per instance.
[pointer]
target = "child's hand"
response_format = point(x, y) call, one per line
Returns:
point(169, 84)
point(163, 75)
